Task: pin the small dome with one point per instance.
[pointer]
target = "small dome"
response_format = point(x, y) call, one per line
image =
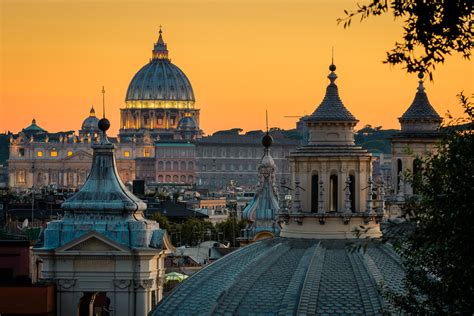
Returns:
point(34, 128)
point(90, 124)
point(187, 123)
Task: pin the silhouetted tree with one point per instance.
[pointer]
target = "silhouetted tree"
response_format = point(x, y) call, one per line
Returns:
point(439, 254)
point(432, 30)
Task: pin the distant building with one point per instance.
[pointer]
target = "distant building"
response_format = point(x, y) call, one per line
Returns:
point(228, 156)
point(38, 158)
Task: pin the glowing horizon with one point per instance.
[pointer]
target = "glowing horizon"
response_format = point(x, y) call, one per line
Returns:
point(242, 57)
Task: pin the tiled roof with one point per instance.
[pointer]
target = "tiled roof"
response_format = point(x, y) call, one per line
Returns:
point(420, 108)
point(332, 108)
point(103, 190)
point(290, 277)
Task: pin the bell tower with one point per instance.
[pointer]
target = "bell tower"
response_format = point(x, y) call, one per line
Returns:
point(333, 192)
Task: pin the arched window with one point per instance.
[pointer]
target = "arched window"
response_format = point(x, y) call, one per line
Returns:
point(399, 173)
point(353, 192)
point(190, 179)
point(333, 193)
point(175, 179)
point(183, 179)
point(168, 179)
point(183, 166)
point(314, 193)
point(160, 179)
point(160, 165)
point(190, 165)
point(168, 165)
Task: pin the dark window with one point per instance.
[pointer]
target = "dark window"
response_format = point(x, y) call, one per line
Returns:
point(314, 193)
point(399, 173)
point(333, 193)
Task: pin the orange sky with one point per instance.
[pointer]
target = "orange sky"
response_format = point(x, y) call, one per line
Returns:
point(241, 56)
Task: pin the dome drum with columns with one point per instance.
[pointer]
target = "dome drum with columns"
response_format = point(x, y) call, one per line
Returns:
point(158, 98)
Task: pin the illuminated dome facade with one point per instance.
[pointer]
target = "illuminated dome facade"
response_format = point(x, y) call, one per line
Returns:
point(158, 98)
point(160, 80)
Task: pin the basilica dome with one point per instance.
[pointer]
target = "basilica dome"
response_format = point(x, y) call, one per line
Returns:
point(160, 80)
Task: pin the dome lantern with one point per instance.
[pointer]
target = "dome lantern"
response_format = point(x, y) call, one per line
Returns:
point(160, 50)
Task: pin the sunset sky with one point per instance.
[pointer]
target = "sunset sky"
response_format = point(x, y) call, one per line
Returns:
point(241, 56)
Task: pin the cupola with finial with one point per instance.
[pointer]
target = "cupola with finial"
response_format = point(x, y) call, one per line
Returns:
point(160, 50)
point(331, 122)
point(420, 115)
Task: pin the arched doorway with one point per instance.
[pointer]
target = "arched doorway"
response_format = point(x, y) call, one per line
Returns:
point(94, 304)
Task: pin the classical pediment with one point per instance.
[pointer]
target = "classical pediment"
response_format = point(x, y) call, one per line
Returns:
point(92, 242)
point(79, 155)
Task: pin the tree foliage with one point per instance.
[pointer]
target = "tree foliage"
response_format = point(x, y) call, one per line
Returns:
point(432, 29)
point(439, 254)
point(162, 220)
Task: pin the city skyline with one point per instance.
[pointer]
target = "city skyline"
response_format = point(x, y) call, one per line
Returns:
point(258, 58)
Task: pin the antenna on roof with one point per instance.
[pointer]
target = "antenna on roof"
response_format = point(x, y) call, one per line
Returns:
point(103, 101)
point(266, 118)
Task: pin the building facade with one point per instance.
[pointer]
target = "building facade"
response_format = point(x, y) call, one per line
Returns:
point(38, 158)
point(228, 157)
point(104, 256)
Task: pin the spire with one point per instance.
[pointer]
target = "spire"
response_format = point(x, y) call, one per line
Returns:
point(160, 50)
point(104, 192)
point(332, 108)
point(263, 209)
point(420, 108)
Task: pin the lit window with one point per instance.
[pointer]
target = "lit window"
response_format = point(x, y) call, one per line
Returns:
point(40, 154)
point(69, 153)
point(126, 154)
point(54, 153)
point(21, 176)
point(146, 153)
